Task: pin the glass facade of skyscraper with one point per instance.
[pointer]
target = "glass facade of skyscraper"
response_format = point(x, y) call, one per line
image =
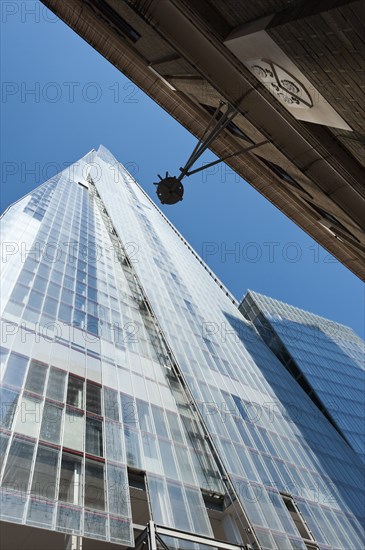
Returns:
point(134, 390)
point(326, 358)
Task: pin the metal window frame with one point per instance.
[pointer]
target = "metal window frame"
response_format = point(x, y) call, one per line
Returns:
point(153, 534)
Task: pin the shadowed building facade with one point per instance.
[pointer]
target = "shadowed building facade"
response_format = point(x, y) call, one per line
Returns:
point(135, 394)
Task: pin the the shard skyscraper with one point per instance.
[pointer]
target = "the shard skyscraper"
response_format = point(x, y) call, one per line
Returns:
point(138, 405)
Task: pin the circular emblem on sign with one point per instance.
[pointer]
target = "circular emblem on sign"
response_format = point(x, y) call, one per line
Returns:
point(288, 89)
point(290, 86)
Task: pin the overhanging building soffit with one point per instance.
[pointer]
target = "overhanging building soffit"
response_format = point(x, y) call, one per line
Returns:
point(228, 79)
point(181, 65)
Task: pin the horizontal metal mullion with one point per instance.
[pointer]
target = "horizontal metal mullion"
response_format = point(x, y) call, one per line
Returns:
point(162, 531)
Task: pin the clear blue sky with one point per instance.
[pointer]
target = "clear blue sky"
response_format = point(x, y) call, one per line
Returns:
point(80, 100)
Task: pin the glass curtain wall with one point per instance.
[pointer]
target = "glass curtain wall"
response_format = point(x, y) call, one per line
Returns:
point(115, 332)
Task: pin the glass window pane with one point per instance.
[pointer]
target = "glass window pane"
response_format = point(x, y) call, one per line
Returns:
point(132, 448)
point(45, 473)
point(174, 427)
point(16, 309)
point(92, 293)
point(12, 506)
point(18, 465)
point(74, 430)
point(159, 500)
point(77, 362)
point(8, 402)
point(113, 441)
point(80, 288)
point(92, 325)
point(80, 302)
point(178, 507)
point(67, 296)
point(40, 513)
point(70, 489)
point(160, 422)
point(15, 371)
point(65, 313)
point(111, 408)
point(56, 384)
point(4, 439)
point(151, 455)
point(29, 416)
point(198, 512)
point(79, 319)
point(54, 290)
point(19, 293)
point(44, 270)
point(94, 485)
point(95, 525)
point(283, 513)
point(129, 410)
point(183, 461)
point(3, 358)
point(51, 423)
point(36, 377)
point(40, 284)
point(25, 277)
point(252, 492)
point(50, 306)
point(93, 369)
point(75, 392)
point(118, 490)
point(168, 459)
point(35, 300)
point(68, 519)
point(31, 264)
point(93, 398)
point(94, 437)
point(144, 416)
point(312, 524)
point(121, 531)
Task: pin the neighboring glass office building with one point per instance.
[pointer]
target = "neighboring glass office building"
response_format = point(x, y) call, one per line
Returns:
point(134, 391)
point(326, 358)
